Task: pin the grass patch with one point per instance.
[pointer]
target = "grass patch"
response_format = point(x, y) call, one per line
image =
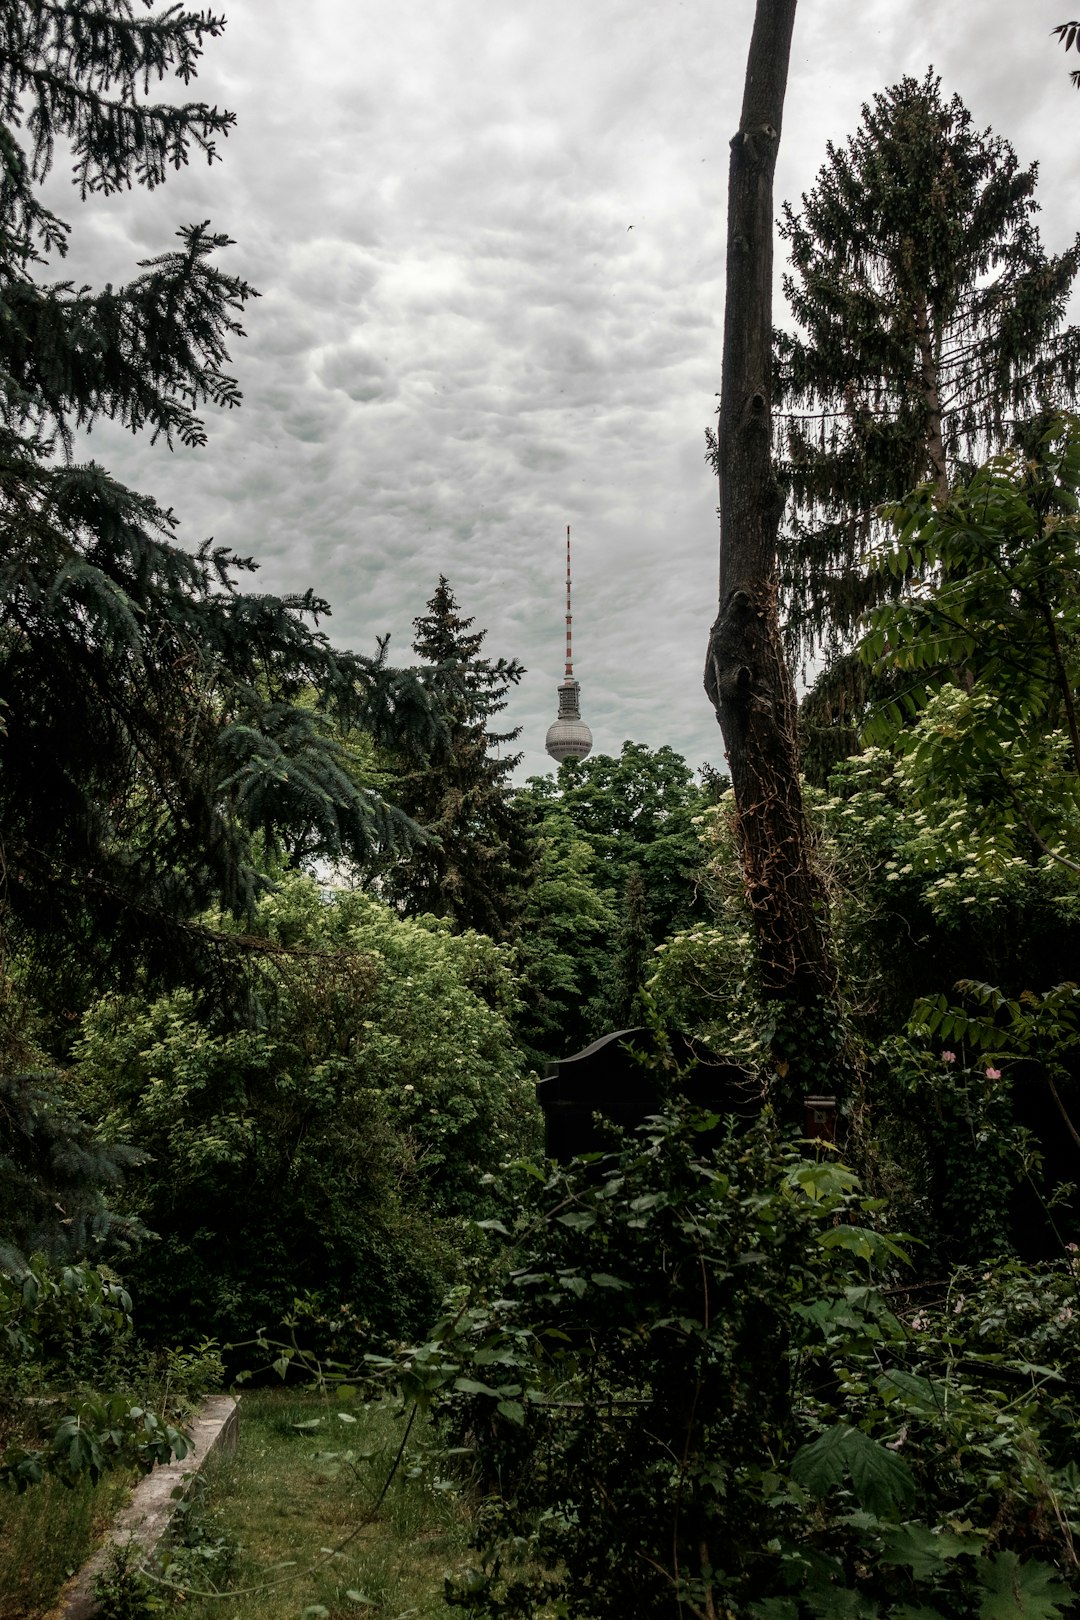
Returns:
point(282, 1499)
point(47, 1534)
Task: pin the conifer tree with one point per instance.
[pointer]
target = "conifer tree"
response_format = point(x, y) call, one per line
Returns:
point(479, 860)
point(151, 722)
point(929, 322)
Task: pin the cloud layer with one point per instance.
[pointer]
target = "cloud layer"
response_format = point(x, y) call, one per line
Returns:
point(489, 241)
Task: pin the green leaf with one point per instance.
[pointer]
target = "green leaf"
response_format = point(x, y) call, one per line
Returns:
point(821, 1464)
point(925, 1551)
point(646, 1201)
point(915, 1394)
point(824, 1181)
point(853, 1238)
point(470, 1386)
point(883, 1481)
point(1016, 1591)
point(512, 1410)
point(865, 1242)
point(839, 1603)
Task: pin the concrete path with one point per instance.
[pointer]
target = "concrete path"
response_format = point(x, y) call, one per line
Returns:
point(154, 1501)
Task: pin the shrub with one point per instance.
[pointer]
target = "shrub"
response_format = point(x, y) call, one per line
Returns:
point(695, 1385)
point(372, 1085)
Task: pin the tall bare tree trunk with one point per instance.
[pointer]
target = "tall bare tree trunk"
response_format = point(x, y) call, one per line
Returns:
point(746, 676)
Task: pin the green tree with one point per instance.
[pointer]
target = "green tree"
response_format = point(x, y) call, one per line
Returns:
point(325, 1146)
point(563, 950)
point(638, 810)
point(929, 320)
point(161, 729)
point(152, 722)
point(56, 1174)
point(633, 949)
point(477, 863)
point(621, 868)
point(1004, 610)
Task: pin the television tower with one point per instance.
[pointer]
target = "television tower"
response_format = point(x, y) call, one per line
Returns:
point(568, 736)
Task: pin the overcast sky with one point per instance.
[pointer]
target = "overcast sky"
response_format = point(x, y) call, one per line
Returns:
point(489, 239)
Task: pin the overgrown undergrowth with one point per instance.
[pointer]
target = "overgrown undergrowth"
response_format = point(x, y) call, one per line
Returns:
point(287, 1522)
point(46, 1534)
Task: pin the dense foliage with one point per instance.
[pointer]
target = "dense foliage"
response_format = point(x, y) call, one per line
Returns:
point(371, 1092)
point(167, 739)
point(70, 1328)
point(57, 1175)
point(701, 1375)
point(1003, 611)
point(620, 867)
point(696, 1384)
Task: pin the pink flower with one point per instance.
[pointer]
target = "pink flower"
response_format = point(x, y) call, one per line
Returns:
point(948, 1057)
point(993, 1074)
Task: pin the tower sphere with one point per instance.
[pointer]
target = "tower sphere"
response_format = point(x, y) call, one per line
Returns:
point(568, 736)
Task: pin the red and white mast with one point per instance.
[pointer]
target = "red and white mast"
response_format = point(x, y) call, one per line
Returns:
point(569, 654)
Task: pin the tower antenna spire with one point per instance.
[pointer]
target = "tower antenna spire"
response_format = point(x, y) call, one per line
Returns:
point(569, 737)
point(569, 654)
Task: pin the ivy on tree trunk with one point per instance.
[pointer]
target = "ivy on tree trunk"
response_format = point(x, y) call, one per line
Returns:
point(746, 676)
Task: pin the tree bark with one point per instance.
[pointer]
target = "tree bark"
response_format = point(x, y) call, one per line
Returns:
point(746, 676)
point(928, 363)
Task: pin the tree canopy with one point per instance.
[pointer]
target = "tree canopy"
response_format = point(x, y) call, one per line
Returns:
point(151, 722)
point(620, 868)
point(1003, 609)
point(375, 1085)
point(929, 322)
